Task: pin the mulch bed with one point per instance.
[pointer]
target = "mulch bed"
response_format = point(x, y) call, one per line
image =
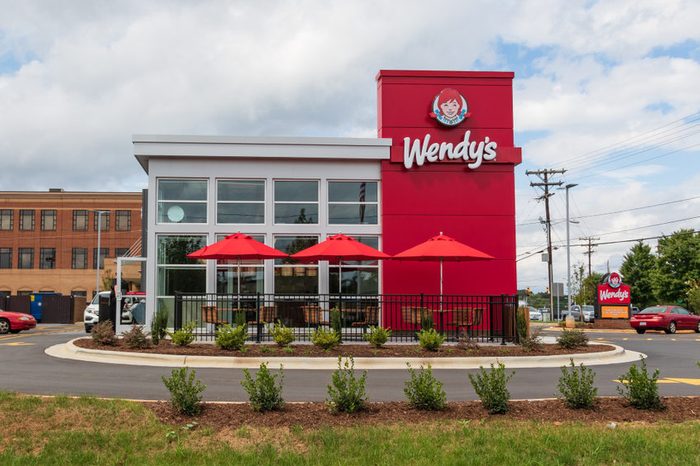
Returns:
point(406, 351)
point(316, 415)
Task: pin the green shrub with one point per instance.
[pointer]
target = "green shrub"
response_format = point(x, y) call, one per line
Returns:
point(377, 336)
point(336, 321)
point(491, 387)
point(639, 388)
point(185, 391)
point(239, 318)
point(426, 319)
point(467, 343)
point(159, 325)
point(430, 339)
point(231, 338)
point(103, 333)
point(570, 339)
point(281, 334)
point(264, 391)
point(521, 323)
point(423, 390)
point(326, 339)
point(532, 342)
point(184, 336)
point(346, 392)
point(576, 386)
point(135, 338)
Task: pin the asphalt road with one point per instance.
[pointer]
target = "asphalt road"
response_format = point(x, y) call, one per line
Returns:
point(25, 368)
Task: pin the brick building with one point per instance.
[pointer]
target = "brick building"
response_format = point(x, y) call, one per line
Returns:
point(48, 240)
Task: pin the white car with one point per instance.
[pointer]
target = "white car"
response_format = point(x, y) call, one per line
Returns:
point(535, 314)
point(91, 314)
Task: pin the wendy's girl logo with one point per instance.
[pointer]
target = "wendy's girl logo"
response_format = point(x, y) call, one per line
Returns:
point(614, 280)
point(449, 107)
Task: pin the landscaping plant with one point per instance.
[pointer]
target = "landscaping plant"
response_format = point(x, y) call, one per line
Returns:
point(184, 336)
point(377, 336)
point(346, 392)
point(639, 388)
point(532, 342)
point(136, 338)
point(521, 323)
point(570, 339)
point(264, 391)
point(231, 338)
point(103, 333)
point(466, 342)
point(491, 387)
point(159, 325)
point(281, 334)
point(336, 320)
point(423, 390)
point(576, 386)
point(325, 339)
point(185, 391)
point(430, 339)
point(426, 319)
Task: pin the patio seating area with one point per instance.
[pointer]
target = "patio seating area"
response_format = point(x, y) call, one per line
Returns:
point(482, 318)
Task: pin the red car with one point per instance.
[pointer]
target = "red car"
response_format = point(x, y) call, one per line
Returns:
point(15, 322)
point(666, 318)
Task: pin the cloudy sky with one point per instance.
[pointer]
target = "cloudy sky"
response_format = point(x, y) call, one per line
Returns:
point(607, 90)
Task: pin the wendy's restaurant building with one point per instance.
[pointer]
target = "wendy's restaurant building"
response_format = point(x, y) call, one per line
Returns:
point(443, 162)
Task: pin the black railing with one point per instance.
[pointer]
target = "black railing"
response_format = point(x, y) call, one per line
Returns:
point(481, 318)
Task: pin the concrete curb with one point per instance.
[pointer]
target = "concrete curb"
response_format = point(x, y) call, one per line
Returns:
point(70, 351)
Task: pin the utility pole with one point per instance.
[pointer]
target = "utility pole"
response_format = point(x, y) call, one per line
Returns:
point(589, 252)
point(545, 184)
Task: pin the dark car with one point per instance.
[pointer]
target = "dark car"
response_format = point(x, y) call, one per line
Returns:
point(665, 317)
point(15, 322)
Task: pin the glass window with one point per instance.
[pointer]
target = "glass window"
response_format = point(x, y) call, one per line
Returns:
point(252, 274)
point(25, 258)
point(26, 220)
point(352, 203)
point(104, 220)
point(296, 202)
point(79, 293)
point(6, 219)
point(48, 220)
point(104, 252)
point(290, 275)
point(80, 220)
point(79, 258)
point(359, 277)
point(120, 252)
point(182, 201)
point(47, 258)
point(122, 220)
point(5, 258)
point(240, 201)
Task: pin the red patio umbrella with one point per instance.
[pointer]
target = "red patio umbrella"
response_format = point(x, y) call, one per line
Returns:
point(237, 247)
point(442, 248)
point(339, 248)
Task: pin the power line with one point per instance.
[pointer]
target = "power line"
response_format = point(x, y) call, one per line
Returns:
point(648, 226)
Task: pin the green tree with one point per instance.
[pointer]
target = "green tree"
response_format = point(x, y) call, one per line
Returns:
point(694, 296)
point(678, 266)
point(589, 288)
point(578, 274)
point(638, 268)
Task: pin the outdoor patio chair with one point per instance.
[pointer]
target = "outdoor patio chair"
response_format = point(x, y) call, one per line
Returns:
point(266, 315)
point(312, 315)
point(210, 315)
point(371, 317)
point(466, 319)
point(415, 315)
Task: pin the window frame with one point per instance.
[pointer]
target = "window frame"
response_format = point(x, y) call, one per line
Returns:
point(218, 201)
point(42, 258)
point(96, 258)
point(122, 213)
point(76, 214)
point(74, 255)
point(296, 180)
point(296, 264)
point(8, 252)
point(358, 264)
point(97, 216)
point(357, 203)
point(205, 201)
point(22, 213)
point(10, 213)
point(44, 216)
point(20, 252)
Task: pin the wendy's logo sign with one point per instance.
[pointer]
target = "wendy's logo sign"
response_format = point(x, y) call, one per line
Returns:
point(450, 107)
point(614, 280)
point(612, 291)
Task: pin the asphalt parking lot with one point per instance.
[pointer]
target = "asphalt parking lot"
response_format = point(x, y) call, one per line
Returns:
point(27, 369)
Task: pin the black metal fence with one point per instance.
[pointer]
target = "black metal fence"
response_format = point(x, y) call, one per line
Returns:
point(482, 318)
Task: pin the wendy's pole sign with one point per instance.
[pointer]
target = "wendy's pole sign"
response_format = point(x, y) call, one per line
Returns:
point(614, 297)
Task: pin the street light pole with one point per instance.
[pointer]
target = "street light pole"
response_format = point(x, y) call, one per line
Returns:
point(568, 249)
point(97, 256)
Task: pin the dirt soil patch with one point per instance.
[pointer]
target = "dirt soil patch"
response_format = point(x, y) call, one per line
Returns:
point(403, 351)
point(316, 415)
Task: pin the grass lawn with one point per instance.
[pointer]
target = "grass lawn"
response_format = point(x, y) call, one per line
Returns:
point(89, 431)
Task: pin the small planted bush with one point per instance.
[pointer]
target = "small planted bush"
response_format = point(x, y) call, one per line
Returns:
point(532, 342)
point(185, 391)
point(231, 338)
point(576, 386)
point(136, 338)
point(281, 334)
point(377, 336)
point(423, 390)
point(159, 325)
point(265, 390)
point(336, 320)
point(570, 339)
point(346, 393)
point(325, 339)
point(639, 388)
point(430, 339)
point(103, 333)
point(184, 336)
point(492, 388)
